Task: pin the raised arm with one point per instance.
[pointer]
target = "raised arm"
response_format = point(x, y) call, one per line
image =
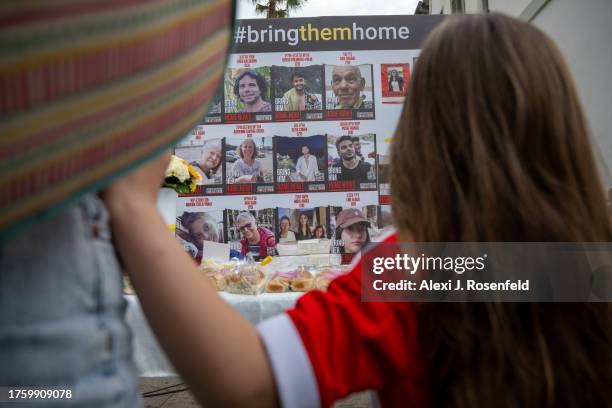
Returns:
point(217, 352)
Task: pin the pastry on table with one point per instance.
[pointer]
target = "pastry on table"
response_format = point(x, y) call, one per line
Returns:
point(247, 280)
point(280, 282)
point(277, 285)
point(302, 280)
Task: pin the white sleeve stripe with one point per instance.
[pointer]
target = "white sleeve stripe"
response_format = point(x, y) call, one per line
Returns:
point(295, 379)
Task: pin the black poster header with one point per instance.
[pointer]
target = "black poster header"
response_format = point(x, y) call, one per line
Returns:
point(332, 33)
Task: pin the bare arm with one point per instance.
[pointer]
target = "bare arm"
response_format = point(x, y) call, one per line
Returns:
point(216, 351)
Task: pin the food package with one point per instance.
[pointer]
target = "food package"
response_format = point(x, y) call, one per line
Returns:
point(247, 279)
point(279, 283)
point(298, 280)
point(303, 280)
point(217, 273)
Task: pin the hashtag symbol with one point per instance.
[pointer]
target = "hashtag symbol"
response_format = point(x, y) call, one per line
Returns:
point(239, 35)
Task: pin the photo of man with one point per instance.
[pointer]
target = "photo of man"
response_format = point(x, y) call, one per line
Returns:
point(307, 167)
point(301, 162)
point(349, 86)
point(352, 168)
point(247, 90)
point(297, 89)
point(250, 88)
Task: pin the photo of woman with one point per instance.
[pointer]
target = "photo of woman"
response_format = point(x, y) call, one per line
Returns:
point(247, 168)
point(285, 234)
point(396, 82)
point(304, 230)
point(193, 228)
point(209, 166)
point(352, 230)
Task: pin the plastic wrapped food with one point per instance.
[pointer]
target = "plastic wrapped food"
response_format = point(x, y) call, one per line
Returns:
point(298, 280)
point(247, 279)
point(216, 273)
point(303, 280)
point(279, 283)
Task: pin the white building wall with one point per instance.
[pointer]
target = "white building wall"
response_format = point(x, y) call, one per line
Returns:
point(583, 31)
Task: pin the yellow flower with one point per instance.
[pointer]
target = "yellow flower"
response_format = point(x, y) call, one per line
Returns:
point(193, 186)
point(194, 173)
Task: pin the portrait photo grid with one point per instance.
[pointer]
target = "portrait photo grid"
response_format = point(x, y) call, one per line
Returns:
point(299, 139)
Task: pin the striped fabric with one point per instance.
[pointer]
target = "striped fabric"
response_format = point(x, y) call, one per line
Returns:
point(90, 88)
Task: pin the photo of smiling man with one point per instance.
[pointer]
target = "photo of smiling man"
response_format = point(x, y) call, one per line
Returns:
point(250, 87)
point(247, 93)
point(298, 92)
point(348, 89)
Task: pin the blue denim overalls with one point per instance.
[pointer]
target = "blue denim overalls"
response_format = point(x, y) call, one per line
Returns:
point(62, 310)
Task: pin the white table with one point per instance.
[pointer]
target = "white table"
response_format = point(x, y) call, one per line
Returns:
point(150, 359)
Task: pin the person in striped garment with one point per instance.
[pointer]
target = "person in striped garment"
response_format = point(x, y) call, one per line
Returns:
point(89, 88)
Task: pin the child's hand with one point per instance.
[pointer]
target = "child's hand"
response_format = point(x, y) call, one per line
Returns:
point(140, 186)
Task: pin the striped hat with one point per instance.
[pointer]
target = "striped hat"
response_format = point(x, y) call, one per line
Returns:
point(91, 88)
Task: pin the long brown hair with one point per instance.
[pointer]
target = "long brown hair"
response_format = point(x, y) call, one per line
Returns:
point(493, 146)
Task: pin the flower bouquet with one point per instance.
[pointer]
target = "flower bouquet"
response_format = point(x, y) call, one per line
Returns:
point(181, 177)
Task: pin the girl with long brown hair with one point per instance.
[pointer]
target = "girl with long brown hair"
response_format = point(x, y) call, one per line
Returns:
point(492, 145)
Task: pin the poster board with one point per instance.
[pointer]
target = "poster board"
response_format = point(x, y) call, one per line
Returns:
point(302, 126)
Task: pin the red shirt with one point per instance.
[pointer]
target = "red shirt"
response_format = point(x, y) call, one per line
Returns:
point(267, 243)
point(354, 345)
